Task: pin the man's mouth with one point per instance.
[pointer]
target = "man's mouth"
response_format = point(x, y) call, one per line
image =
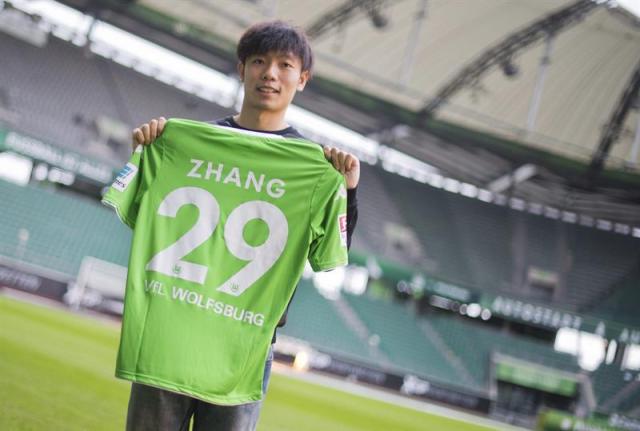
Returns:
point(265, 89)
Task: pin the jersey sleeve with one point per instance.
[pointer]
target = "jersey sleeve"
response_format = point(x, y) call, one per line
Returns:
point(133, 180)
point(329, 223)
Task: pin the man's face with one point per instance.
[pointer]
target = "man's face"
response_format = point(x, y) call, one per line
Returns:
point(271, 80)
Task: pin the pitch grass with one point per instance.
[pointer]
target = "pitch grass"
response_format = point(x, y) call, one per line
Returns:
point(56, 373)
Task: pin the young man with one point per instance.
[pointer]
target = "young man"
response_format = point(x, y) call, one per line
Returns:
point(274, 62)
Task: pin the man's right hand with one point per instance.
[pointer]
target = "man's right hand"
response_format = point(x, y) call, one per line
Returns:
point(147, 133)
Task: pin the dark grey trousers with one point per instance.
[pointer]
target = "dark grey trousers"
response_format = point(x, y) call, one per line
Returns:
point(153, 409)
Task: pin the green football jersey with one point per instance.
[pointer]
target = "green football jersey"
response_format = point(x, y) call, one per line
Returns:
point(224, 220)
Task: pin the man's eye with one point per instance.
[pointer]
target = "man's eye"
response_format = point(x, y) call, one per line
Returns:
point(258, 61)
point(287, 65)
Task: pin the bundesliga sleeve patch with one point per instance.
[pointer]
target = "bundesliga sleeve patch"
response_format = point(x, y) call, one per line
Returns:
point(125, 176)
point(342, 225)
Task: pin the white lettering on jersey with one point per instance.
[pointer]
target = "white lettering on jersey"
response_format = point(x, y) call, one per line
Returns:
point(220, 308)
point(275, 187)
point(169, 261)
point(196, 166)
point(233, 177)
point(210, 170)
point(251, 178)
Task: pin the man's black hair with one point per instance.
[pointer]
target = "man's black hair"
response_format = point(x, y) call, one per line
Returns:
point(275, 36)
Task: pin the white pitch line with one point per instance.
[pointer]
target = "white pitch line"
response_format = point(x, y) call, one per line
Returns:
point(310, 377)
point(390, 398)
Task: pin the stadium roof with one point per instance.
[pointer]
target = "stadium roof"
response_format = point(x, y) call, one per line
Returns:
point(384, 48)
point(477, 66)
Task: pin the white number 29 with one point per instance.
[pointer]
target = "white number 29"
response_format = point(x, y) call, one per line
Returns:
point(169, 260)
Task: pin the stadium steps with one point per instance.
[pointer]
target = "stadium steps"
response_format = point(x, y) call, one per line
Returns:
point(599, 260)
point(428, 212)
point(542, 242)
point(432, 335)
point(616, 390)
point(401, 339)
point(486, 244)
point(376, 209)
point(474, 344)
point(352, 320)
point(313, 319)
point(621, 300)
point(626, 399)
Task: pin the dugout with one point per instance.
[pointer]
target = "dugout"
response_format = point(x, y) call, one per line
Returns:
point(524, 389)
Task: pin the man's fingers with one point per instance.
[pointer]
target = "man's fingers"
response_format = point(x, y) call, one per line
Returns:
point(339, 159)
point(342, 158)
point(348, 163)
point(146, 130)
point(137, 138)
point(335, 160)
point(327, 153)
point(161, 123)
point(153, 129)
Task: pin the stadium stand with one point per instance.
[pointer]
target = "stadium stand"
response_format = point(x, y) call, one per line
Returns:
point(314, 319)
point(473, 244)
point(401, 339)
point(598, 261)
point(620, 301)
point(432, 220)
point(58, 230)
point(475, 343)
point(378, 209)
point(461, 240)
point(616, 390)
point(59, 91)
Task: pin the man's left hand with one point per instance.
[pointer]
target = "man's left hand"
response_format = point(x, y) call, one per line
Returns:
point(345, 163)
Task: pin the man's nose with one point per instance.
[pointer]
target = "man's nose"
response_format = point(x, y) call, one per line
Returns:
point(270, 71)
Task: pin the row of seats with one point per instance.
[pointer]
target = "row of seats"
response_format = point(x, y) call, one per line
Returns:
point(461, 240)
point(474, 344)
point(617, 390)
point(401, 339)
point(315, 319)
point(56, 231)
point(490, 247)
point(58, 90)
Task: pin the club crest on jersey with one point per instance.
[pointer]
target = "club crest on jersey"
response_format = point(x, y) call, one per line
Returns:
point(342, 226)
point(124, 177)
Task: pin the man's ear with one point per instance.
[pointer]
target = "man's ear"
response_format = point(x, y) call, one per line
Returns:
point(304, 77)
point(240, 68)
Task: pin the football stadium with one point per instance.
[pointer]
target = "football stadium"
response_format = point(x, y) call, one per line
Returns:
point(493, 278)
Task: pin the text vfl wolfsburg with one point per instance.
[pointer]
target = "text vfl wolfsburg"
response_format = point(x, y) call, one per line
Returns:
point(204, 302)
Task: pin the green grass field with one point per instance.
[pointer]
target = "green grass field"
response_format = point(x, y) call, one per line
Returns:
point(56, 373)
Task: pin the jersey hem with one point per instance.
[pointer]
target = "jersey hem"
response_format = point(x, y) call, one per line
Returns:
point(182, 390)
point(109, 203)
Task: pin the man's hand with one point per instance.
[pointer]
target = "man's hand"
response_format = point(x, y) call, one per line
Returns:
point(147, 133)
point(345, 163)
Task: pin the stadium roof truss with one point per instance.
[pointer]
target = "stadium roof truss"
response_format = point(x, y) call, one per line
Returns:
point(408, 51)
